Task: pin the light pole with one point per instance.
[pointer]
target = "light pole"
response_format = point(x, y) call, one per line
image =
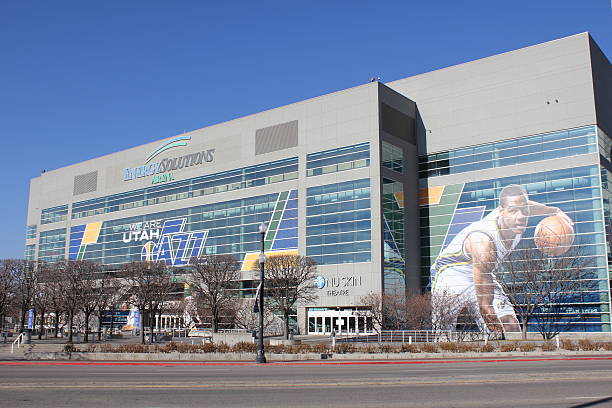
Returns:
point(261, 357)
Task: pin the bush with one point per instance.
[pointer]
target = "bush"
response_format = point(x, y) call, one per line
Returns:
point(507, 347)
point(370, 348)
point(486, 348)
point(526, 347)
point(319, 348)
point(388, 348)
point(466, 348)
point(409, 348)
point(244, 347)
point(345, 348)
point(90, 348)
point(588, 345)
point(568, 345)
point(451, 347)
point(607, 345)
point(70, 348)
point(549, 346)
point(429, 348)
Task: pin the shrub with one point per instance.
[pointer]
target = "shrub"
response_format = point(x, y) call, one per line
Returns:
point(70, 348)
point(507, 347)
point(345, 348)
point(90, 348)
point(451, 347)
point(549, 346)
point(207, 348)
point(607, 345)
point(388, 348)
point(370, 348)
point(429, 348)
point(409, 348)
point(568, 345)
point(319, 348)
point(588, 345)
point(466, 348)
point(107, 348)
point(486, 348)
point(244, 347)
point(526, 347)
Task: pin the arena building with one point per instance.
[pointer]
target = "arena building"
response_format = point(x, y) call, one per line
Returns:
point(376, 183)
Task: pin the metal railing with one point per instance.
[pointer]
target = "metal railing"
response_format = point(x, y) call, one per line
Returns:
point(415, 336)
point(18, 341)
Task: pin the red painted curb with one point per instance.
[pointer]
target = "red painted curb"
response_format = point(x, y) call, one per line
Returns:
point(281, 363)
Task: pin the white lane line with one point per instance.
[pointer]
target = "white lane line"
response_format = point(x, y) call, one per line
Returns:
point(593, 397)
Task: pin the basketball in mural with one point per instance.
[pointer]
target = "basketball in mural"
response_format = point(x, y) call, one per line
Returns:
point(554, 235)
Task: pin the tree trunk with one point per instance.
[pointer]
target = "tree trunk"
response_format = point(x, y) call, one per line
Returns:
point(23, 317)
point(57, 317)
point(100, 326)
point(70, 322)
point(215, 321)
point(42, 324)
point(141, 324)
point(286, 315)
point(86, 340)
point(524, 329)
point(151, 325)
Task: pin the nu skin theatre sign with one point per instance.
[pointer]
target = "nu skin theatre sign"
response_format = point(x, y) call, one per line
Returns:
point(161, 171)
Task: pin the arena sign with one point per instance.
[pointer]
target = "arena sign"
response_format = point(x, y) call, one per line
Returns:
point(157, 240)
point(160, 170)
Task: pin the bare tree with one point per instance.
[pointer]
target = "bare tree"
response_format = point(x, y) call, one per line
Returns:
point(214, 279)
point(24, 274)
point(418, 311)
point(55, 289)
point(94, 284)
point(7, 290)
point(246, 317)
point(43, 293)
point(110, 294)
point(290, 279)
point(540, 287)
point(388, 311)
point(146, 281)
point(73, 276)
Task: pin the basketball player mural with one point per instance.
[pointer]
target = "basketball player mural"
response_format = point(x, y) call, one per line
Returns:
point(465, 268)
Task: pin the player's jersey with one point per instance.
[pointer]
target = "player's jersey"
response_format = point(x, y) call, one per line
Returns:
point(455, 256)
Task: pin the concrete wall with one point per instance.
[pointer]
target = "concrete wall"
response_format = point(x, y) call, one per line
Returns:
point(523, 92)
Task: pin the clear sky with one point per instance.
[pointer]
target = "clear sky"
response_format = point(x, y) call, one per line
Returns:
point(80, 79)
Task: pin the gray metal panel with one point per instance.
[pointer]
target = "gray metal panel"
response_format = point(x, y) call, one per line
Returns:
point(602, 86)
point(397, 123)
point(85, 183)
point(277, 137)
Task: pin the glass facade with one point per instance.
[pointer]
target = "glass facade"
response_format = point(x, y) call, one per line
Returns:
point(30, 252)
point(229, 227)
point(508, 152)
point(447, 210)
point(338, 225)
point(31, 231)
point(393, 252)
point(52, 245)
point(392, 157)
point(54, 214)
point(340, 159)
point(246, 177)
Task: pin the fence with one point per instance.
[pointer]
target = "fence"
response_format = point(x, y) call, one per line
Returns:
point(416, 336)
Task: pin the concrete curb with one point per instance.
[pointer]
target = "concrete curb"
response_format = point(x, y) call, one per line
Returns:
point(175, 356)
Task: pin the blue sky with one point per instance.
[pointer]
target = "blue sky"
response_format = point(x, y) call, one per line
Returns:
point(82, 79)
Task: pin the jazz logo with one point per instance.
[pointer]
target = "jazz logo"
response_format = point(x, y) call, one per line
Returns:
point(174, 246)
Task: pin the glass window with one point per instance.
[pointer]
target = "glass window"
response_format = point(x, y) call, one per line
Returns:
point(340, 159)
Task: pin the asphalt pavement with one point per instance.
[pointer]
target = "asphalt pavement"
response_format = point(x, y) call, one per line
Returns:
point(576, 382)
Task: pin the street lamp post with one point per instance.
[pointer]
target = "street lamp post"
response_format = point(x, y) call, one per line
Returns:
point(261, 357)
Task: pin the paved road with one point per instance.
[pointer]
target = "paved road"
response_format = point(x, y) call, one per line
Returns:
point(551, 383)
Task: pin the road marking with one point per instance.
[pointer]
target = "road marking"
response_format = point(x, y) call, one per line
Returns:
point(255, 385)
point(593, 397)
point(288, 363)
